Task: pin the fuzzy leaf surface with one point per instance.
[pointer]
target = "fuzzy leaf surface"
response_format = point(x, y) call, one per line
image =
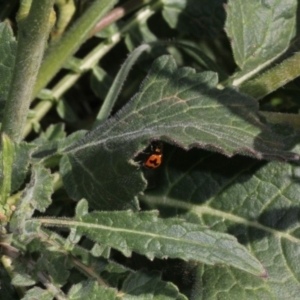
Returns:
point(8, 46)
point(258, 202)
point(21, 164)
point(177, 106)
point(149, 235)
point(36, 196)
point(259, 31)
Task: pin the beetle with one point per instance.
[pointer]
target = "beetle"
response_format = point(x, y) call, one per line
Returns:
point(154, 159)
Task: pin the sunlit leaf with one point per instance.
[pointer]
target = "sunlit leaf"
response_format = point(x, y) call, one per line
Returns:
point(259, 31)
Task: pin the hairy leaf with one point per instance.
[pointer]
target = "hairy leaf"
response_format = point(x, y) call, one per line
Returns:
point(37, 195)
point(21, 164)
point(15, 165)
point(177, 106)
point(149, 235)
point(259, 31)
point(258, 202)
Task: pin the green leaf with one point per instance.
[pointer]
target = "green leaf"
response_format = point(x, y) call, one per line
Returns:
point(66, 112)
point(23, 279)
point(37, 195)
point(177, 106)
point(142, 285)
point(81, 208)
point(258, 202)
point(149, 235)
point(56, 265)
point(38, 293)
point(259, 31)
point(199, 18)
point(21, 164)
point(8, 48)
point(92, 291)
point(54, 132)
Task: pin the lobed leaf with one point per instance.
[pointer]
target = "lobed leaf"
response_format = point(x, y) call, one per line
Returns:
point(149, 235)
point(174, 105)
point(21, 164)
point(36, 196)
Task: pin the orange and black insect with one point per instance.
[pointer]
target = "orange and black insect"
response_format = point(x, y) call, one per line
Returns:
point(154, 159)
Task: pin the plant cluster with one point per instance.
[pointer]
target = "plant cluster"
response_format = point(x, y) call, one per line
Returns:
point(149, 149)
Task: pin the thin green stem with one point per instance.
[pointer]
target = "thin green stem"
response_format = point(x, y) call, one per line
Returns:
point(32, 37)
point(41, 109)
point(116, 87)
point(58, 54)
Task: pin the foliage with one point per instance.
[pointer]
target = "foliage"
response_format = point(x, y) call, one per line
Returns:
point(81, 214)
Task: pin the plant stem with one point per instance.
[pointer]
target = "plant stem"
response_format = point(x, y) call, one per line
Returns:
point(274, 78)
point(87, 63)
point(116, 87)
point(32, 37)
point(58, 54)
